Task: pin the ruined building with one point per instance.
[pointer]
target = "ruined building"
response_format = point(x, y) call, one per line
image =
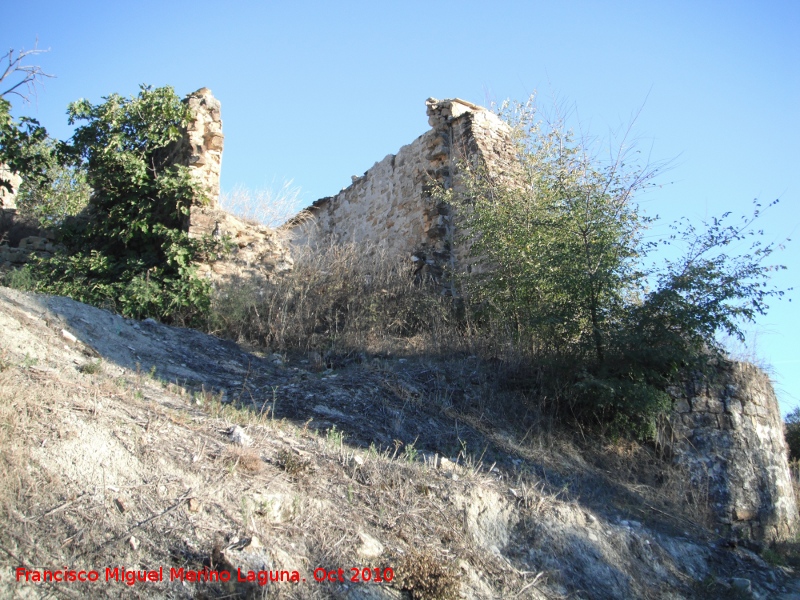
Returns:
point(727, 433)
point(392, 204)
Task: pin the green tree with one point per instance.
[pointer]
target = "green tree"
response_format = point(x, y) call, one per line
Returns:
point(131, 252)
point(560, 252)
point(16, 138)
point(792, 431)
point(63, 191)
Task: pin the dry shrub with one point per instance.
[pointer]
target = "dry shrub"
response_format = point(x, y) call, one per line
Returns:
point(342, 300)
point(427, 577)
point(243, 458)
point(292, 463)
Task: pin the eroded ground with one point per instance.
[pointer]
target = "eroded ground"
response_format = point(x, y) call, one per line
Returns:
point(136, 445)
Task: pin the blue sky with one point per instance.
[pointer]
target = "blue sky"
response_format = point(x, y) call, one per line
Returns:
point(316, 92)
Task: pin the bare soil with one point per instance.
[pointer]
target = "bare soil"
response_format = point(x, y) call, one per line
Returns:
point(136, 445)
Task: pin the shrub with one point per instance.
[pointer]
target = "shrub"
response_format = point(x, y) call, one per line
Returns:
point(131, 252)
point(426, 577)
point(61, 192)
point(792, 430)
point(338, 301)
point(559, 253)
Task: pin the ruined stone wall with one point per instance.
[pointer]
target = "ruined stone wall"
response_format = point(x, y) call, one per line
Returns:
point(728, 433)
point(391, 204)
point(8, 199)
point(257, 253)
point(203, 142)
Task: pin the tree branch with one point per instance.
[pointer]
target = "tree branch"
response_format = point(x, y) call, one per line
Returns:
point(31, 74)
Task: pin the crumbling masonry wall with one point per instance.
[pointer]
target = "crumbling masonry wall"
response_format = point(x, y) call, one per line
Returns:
point(201, 149)
point(392, 205)
point(257, 253)
point(728, 433)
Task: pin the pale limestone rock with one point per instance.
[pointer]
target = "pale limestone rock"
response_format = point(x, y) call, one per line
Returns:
point(370, 547)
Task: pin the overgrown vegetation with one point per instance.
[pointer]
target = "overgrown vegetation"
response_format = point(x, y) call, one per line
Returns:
point(131, 252)
point(559, 253)
point(63, 192)
point(338, 302)
point(792, 430)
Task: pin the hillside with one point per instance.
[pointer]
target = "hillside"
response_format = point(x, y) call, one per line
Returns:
point(135, 445)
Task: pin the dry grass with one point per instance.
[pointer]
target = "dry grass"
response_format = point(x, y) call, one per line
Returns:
point(506, 516)
point(339, 303)
point(268, 206)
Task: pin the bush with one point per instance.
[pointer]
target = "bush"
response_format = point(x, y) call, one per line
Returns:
point(792, 430)
point(131, 252)
point(61, 192)
point(559, 253)
point(338, 301)
point(427, 577)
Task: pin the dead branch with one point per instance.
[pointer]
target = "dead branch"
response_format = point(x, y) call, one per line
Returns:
point(31, 75)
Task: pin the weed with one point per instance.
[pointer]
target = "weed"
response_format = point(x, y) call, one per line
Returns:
point(92, 367)
point(410, 453)
point(291, 462)
point(335, 437)
point(772, 557)
point(266, 206)
point(426, 577)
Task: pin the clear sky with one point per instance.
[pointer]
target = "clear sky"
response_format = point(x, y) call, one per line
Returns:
point(315, 92)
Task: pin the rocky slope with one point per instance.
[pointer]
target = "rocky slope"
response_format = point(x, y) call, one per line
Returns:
point(178, 456)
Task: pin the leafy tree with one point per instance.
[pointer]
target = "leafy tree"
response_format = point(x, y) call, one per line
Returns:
point(132, 252)
point(792, 431)
point(560, 253)
point(63, 191)
point(16, 138)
